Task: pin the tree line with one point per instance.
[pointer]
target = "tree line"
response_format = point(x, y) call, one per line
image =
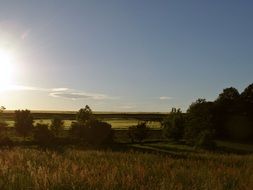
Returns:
point(229, 117)
point(87, 129)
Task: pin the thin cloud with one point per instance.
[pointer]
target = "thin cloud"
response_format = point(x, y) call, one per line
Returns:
point(63, 92)
point(60, 89)
point(78, 95)
point(165, 98)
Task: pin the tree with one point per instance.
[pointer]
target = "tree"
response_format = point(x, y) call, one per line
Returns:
point(23, 122)
point(57, 125)
point(84, 114)
point(93, 132)
point(247, 94)
point(228, 101)
point(138, 132)
point(247, 100)
point(43, 136)
point(3, 124)
point(89, 129)
point(173, 125)
point(199, 123)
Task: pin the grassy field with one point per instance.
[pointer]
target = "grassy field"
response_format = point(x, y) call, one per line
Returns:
point(117, 123)
point(23, 168)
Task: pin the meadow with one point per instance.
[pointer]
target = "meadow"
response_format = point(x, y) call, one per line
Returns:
point(117, 123)
point(117, 120)
point(31, 168)
point(155, 163)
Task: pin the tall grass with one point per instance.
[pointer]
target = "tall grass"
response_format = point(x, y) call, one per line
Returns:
point(23, 168)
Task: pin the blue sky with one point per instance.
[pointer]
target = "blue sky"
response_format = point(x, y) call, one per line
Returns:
point(124, 55)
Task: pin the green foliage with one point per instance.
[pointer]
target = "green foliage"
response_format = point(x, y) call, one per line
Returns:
point(93, 132)
point(205, 140)
point(84, 114)
point(3, 124)
point(42, 135)
point(57, 125)
point(199, 123)
point(90, 130)
point(174, 124)
point(23, 122)
point(138, 132)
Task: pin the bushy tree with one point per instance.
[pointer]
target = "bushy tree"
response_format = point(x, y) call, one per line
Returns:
point(57, 125)
point(3, 124)
point(91, 130)
point(174, 124)
point(199, 123)
point(84, 114)
point(42, 135)
point(4, 139)
point(23, 122)
point(138, 132)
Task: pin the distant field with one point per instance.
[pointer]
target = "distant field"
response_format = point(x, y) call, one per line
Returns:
point(119, 123)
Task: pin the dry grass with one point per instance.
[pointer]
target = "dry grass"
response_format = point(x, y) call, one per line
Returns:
point(23, 168)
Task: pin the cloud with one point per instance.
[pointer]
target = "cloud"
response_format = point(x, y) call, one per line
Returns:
point(63, 92)
point(78, 95)
point(165, 98)
point(59, 89)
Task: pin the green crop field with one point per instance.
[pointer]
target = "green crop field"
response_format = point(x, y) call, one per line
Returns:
point(117, 123)
point(29, 168)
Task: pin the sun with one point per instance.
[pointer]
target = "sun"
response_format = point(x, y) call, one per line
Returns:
point(6, 69)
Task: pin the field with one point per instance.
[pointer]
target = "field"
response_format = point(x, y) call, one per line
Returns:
point(154, 164)
point(29, 168)
point(117, 120)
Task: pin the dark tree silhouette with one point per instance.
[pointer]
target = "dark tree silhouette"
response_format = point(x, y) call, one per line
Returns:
point(91, 130)
point(23, 122)
point(173, 125)
point(84, 114)
point(199, 129)
point(57, 125)
point(43, 136)
point(138, 132)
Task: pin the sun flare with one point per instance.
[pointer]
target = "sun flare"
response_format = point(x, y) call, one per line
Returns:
point(6, 69)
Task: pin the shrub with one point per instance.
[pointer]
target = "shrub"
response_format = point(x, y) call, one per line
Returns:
point(93, 132)
point(173, 125)
point(138, 132)
point(42, 135)
point(205, 140)
point(199, 121)
point(57, 125)
point(84, 115)
point(23, 122)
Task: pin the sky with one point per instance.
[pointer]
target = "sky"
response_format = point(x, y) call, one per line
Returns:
point(122, 55)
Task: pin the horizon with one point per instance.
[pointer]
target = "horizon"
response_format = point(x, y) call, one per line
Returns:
point(122, 56)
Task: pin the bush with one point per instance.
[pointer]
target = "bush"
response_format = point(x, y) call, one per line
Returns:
point(57, 126)
point(84, 115)
point(23, 122)
point(93, 132)
point(205, 140)
point(173, 125)
point(138, 132)
point(199, 124)
point(43, 136)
